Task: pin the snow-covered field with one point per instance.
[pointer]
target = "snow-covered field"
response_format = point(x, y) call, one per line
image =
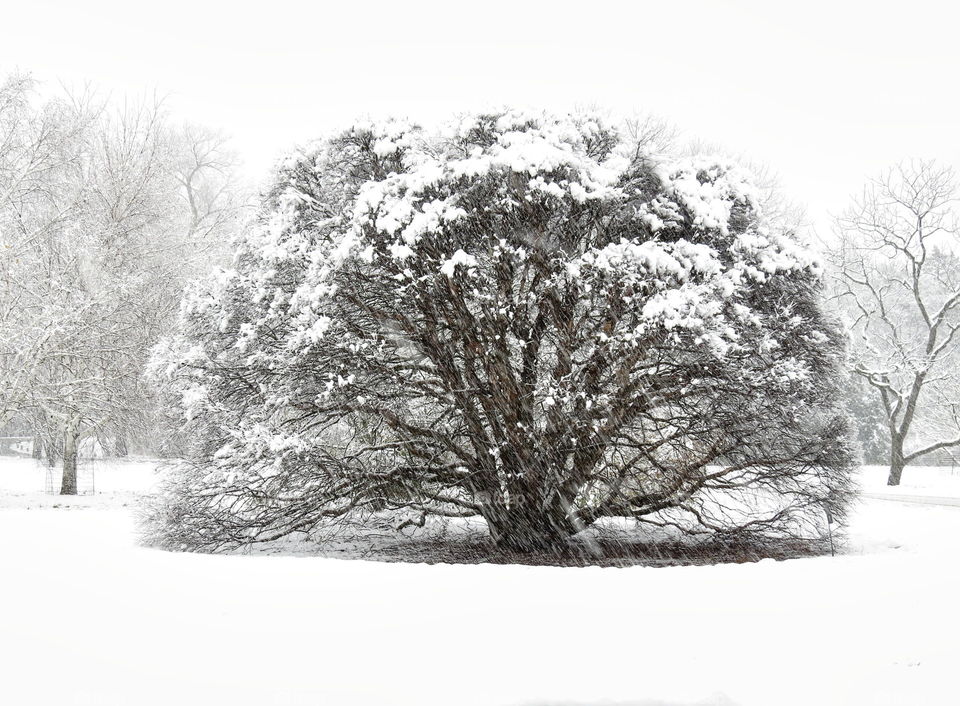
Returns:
point(88, 617)
point(919, 481)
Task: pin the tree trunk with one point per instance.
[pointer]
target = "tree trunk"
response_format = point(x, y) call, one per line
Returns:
point(896, 462)
point(68, 485)
point(528, 529)
point(120, 446)
point(529, 537)
point(36, 451)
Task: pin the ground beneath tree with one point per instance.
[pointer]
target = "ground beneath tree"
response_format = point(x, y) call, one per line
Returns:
point(615, 544)
point(605, 552)
point(89, 617)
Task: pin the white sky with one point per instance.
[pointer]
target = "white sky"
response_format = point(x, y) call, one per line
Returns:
point(825, 94)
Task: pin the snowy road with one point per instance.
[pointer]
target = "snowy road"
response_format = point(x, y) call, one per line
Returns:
point(88, 617)
point(943, 501)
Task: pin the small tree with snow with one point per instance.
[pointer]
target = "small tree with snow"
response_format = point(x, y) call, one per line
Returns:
point(525, 318)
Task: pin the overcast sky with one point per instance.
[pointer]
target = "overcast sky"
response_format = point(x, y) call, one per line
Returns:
point(825, 94)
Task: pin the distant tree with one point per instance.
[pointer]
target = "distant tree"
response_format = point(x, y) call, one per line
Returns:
point(898, 279)
point(105, 213)
point(871, 419)
point(529, 319)
point(40, 148)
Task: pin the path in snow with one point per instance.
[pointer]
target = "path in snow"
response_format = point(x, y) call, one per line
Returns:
point(917, 499)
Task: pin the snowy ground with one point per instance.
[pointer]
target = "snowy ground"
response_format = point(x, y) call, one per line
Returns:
point(88, 617)
point(934, 483)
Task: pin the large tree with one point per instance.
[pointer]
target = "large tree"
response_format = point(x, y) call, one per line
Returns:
point(526, 318)
point(898, 279)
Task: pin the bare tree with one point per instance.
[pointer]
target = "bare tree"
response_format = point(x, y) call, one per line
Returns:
point(40, 153)
point(898, 277)
point(109, 212)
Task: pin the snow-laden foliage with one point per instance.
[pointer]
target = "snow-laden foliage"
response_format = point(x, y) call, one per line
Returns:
point(526, 318)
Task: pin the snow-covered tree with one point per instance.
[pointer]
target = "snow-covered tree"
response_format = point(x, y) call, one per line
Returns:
point(527, 318)
point(898, 279)
point(105, 213)
point(36, 148)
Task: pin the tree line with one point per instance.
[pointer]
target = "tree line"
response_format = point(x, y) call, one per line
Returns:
point(107, 210)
